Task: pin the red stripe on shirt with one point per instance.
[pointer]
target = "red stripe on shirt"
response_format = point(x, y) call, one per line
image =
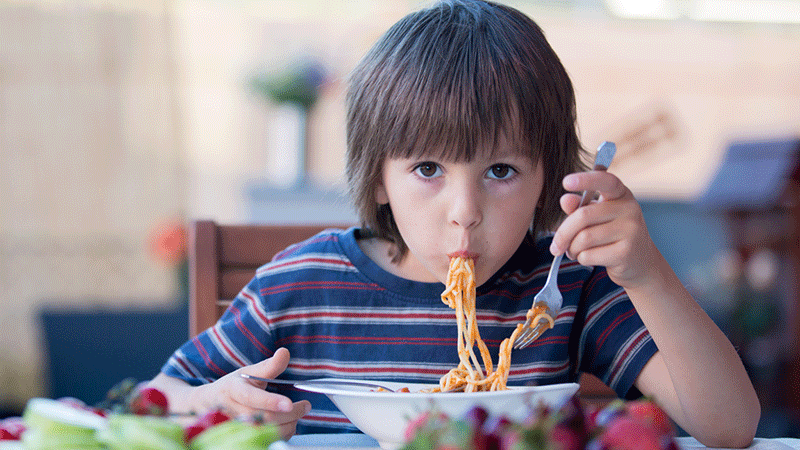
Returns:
point(539, 370)
point(366, 340)
point(237, 314)
point(226, 348)
point(603, 306)
point(607, 332)
point(319, 285)
point(186, 366)
point(204, 354)
point(627, 352)
point(359, 315)
point(255, 306)
point(371, 369)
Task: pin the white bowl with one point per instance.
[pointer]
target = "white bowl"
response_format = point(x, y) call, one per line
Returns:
point(385, 415)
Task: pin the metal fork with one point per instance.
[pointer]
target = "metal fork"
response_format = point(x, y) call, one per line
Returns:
point(550, 296)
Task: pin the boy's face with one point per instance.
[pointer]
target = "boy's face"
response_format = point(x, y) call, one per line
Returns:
point(480, 209)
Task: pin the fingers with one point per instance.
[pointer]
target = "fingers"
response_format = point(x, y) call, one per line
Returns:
point(273, 407)
point(599, 224)
point(597, 245)
point(285, 418)
point(584, 227)
point(249, 399)
point(608, 185)
point(245, 399)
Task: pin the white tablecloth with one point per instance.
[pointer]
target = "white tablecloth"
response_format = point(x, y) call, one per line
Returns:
point(363, 442)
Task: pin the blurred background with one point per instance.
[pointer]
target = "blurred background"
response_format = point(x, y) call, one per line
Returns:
point(123, 120)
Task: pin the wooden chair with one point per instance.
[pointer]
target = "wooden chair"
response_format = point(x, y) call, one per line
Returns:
point(223, 259)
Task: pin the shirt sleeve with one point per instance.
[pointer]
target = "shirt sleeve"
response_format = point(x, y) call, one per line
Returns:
point(614, 344)
point(240, 338)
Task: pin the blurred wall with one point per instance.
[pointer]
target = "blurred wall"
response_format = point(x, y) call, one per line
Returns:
point(115, 116)
point(90, 163)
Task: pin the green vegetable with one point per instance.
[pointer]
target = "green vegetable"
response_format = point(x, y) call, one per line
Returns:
point(135, 432)
point(236, 435)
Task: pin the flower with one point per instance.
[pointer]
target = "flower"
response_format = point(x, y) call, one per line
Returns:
point(301, 84)
point(169, 242)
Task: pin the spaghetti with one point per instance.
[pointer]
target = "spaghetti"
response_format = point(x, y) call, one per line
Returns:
point(469, 376)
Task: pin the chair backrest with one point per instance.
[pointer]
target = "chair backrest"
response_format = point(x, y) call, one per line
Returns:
point(224, 258)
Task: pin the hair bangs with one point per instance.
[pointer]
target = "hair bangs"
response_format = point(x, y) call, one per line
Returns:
point(457, 94)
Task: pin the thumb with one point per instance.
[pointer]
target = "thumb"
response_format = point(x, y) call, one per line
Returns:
point(270, 367)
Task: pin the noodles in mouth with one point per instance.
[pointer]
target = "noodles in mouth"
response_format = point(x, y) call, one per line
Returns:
point(470, 376)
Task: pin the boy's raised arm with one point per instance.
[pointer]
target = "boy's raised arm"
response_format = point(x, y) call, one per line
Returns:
point(696, 375)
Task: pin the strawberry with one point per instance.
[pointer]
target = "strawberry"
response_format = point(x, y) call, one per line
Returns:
point(206, 421)
point(567, 438)
point(11, 429)
point(149, 401)
point(629, 433)
point(649, 412)
point(191, 431)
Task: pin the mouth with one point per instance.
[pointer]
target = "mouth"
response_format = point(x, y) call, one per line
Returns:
point(463, 254)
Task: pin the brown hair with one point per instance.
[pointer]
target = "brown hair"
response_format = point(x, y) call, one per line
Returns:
point(446, 81)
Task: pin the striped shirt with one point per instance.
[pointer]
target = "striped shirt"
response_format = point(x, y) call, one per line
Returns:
point(340, 315)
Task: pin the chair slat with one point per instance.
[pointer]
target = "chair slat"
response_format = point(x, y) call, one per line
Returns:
point(252, 246)
point(232, 280)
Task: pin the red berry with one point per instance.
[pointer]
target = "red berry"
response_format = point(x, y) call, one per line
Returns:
point(628, 433)
point(11, 429)
point(476, 416)
point(6, 435)
point(214, 417)
point(591, 417)
point(496, 425)
point(191, 431)
point(206, 421)
point(567, 438)
point(652, 415)
point(486, 442)
point(150, 402)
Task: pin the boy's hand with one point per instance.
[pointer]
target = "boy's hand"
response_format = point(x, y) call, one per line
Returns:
point(246, 397)
point(608, 232)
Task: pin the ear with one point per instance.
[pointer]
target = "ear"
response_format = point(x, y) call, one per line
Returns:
point(380, 194)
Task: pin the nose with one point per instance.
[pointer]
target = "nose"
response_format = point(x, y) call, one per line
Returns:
point(465, 209)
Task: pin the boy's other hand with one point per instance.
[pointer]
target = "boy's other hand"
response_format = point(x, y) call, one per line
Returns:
point(248, 397)
point(609, 231)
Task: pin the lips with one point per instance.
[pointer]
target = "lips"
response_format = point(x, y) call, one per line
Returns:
point(463, 254)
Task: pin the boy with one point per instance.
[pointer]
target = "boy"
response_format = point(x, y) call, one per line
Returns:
point(462, 142)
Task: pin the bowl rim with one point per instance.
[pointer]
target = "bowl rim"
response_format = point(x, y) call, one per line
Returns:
point(355, 391)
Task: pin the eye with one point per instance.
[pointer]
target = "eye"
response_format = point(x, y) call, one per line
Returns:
point(501, 172)
point(428, 169)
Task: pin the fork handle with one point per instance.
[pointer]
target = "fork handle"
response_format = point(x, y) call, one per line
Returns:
point(554, 266)
point(605, 153)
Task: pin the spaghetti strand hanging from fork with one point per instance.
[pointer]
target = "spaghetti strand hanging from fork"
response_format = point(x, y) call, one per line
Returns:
point(469, 376)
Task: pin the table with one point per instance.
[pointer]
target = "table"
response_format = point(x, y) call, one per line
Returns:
point(363, 442)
